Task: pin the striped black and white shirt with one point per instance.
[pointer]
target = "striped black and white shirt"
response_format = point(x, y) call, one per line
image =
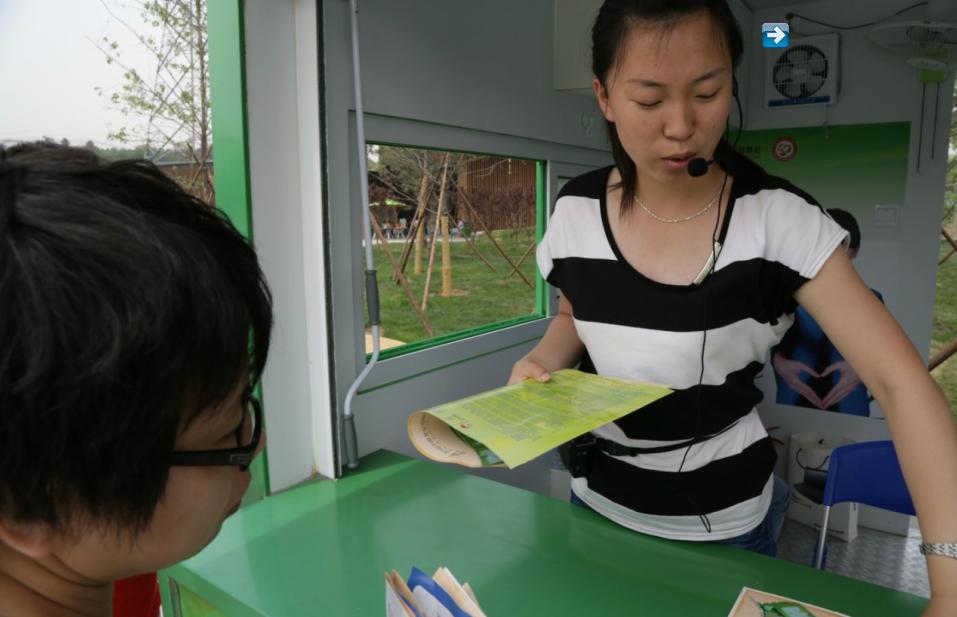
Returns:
point(774, 238)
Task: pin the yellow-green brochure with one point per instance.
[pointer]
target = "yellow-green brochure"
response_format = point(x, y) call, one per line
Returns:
point(509, 426)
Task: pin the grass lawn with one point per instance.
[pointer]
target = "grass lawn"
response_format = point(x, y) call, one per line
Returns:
point(945, 325)
point(479, 296)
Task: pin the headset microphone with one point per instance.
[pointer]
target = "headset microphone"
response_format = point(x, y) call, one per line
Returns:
point(698, 167)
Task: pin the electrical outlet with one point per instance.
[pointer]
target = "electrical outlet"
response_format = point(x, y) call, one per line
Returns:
point(886, 215)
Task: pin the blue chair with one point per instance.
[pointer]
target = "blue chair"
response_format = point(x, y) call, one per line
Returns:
point(867, 473)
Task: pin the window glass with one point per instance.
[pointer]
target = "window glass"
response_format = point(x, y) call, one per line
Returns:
point(454, 237)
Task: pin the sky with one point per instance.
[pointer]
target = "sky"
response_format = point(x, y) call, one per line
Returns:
point(50, 67)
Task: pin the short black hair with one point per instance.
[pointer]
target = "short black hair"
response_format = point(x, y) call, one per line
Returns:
point(846, 220)
point(127, 309)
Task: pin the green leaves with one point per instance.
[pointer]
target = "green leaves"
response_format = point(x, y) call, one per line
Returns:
point(166, 98)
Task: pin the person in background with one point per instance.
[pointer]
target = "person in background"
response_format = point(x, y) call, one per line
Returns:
point(808, 369)
point(134, 326)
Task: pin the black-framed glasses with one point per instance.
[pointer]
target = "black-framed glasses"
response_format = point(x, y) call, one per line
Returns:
point(247, 441)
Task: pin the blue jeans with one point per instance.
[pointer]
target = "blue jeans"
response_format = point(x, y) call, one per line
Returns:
point(763, 538)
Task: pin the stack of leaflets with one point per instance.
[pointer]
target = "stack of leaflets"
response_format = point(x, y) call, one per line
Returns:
point(440, 595)
point(511, 425)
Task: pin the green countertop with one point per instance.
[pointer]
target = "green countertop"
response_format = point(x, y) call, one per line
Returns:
point(321, 549)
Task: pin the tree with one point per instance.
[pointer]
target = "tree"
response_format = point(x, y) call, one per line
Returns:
point(410, 175)
point(168, 107)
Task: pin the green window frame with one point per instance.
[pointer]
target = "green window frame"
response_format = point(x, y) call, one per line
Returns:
point(541, 310)
point(231, 155)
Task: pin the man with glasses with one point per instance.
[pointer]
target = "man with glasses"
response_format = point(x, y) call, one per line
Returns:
point(134, 327)
point(248, 435)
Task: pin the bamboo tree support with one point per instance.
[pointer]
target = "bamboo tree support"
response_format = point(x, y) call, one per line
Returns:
point(409, 241)
point(194, 180)
point(418, 219)
point(528, 251)
point(412, 235)
point(488, 233)
point(446, 258)
point(435, 234)
point(471, 243)
point(428, 271)
point(419, 243)
point(421, 215)
point(953, 245)
point(942, 355)
point(405, 283)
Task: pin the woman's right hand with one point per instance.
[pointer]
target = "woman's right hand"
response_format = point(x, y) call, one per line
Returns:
point(526, 368)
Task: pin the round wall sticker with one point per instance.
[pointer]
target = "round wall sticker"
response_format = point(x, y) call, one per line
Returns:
point(784, 149)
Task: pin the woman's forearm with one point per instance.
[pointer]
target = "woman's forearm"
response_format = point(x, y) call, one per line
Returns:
point(560, 347)
point(925, 438)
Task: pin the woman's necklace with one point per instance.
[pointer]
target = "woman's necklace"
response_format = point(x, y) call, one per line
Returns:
point(681, 220)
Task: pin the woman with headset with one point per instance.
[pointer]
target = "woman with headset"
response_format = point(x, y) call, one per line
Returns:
point(682, 264)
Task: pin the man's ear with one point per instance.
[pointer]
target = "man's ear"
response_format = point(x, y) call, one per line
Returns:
point(33, 540)
point(602, 95)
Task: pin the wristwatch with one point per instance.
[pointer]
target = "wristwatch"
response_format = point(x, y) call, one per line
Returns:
point(946, 549)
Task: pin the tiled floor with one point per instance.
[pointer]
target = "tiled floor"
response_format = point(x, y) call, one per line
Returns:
point(874, 556)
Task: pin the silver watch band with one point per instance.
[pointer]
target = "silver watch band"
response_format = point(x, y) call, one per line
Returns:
point(946, 549)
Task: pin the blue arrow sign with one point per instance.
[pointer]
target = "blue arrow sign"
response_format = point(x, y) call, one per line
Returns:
point(775, 35)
